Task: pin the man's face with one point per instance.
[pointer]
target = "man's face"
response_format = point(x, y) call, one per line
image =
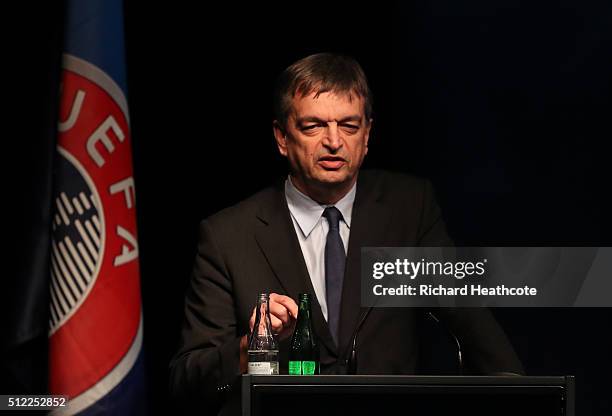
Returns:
point(325, 140)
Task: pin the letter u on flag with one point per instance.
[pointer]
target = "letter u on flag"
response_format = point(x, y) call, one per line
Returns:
point(95, 341)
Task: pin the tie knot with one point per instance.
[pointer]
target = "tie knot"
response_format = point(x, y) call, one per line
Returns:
point(333, 216)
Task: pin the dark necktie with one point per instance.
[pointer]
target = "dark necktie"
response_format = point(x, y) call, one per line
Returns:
point(335, 259)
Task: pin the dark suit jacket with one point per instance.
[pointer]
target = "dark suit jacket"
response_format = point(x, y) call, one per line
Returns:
point(252, 248)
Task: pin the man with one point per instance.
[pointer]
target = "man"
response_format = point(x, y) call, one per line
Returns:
point(305, 236)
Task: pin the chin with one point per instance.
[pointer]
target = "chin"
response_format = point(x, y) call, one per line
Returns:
point(334, 178)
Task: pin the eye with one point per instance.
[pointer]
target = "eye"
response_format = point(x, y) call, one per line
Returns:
point(351, 128)
point(310, 127)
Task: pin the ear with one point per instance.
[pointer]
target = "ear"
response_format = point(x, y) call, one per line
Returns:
point(281, 137)
point(367, 134)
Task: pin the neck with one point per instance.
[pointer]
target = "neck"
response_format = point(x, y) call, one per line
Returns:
point(324, 194)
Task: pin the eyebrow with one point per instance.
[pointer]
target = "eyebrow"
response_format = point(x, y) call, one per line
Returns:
point(312, 119)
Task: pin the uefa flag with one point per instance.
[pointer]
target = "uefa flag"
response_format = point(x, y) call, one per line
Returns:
point(95, 341)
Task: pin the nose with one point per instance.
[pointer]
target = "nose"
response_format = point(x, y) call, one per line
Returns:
point(332, 139)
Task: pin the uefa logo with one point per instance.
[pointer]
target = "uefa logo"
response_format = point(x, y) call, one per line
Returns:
point(95, 323)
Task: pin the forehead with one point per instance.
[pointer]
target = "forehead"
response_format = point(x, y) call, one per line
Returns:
point(328, 105)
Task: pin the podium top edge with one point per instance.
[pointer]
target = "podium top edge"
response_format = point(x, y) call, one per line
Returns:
point(560, 381)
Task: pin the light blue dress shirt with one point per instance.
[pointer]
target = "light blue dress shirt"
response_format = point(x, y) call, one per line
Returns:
point(311, 229)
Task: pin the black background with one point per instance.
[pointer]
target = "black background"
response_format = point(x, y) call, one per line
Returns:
point(505, 105)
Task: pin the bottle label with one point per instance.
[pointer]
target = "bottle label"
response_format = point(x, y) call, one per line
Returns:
point(308, 368)
point(298, 368)
point(263, 367)
point(295, 368)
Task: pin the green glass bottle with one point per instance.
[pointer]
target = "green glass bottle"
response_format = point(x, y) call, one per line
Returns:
point(304, 352)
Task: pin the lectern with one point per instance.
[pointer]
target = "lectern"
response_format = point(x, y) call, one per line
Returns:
point(350, 395)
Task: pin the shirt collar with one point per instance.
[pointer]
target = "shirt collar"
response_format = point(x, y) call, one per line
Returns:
point(307, 211)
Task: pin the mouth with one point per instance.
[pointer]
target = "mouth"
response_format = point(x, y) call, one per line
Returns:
point(331, 162)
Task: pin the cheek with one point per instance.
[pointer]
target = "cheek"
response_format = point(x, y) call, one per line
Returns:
point(303, 153)
point(308, 151)
point(358, 149)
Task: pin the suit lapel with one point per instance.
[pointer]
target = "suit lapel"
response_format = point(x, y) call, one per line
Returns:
point(275, 235)
point(369, 224)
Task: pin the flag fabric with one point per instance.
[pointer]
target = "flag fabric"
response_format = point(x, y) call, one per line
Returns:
point(95, 336)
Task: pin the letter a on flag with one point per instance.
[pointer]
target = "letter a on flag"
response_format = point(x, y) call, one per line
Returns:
point(95, 341)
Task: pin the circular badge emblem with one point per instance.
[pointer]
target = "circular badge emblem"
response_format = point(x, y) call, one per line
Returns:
point(95, 321)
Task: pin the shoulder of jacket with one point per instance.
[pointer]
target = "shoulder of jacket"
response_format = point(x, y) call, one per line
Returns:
point(395, 182)
point(238, 214)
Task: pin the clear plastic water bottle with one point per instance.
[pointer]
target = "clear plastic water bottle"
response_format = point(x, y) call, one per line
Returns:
point(263, 346)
